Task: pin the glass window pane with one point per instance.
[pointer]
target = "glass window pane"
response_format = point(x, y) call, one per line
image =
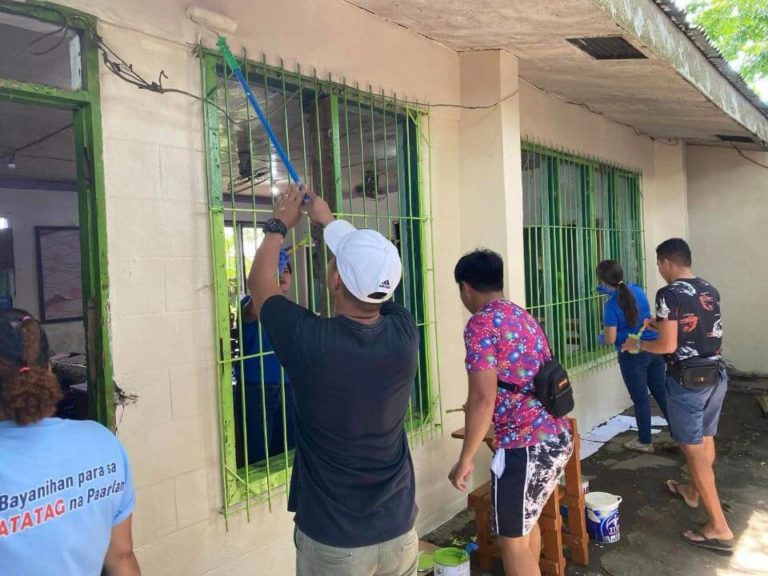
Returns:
point(39, 52)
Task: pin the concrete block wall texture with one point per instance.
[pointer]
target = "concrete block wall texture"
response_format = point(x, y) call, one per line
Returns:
point(728, 208)
point(161, 294)
point(26, 209)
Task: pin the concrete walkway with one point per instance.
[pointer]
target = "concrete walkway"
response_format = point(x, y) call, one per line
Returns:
point(652, 522)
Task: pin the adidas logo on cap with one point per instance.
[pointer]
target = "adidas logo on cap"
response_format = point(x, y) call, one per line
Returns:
point(385, 285)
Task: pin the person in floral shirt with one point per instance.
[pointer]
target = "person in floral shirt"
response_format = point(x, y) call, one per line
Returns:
point(506, 347)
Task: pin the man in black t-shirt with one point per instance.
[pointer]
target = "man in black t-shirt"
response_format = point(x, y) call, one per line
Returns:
point(352, 485)
point(690, 331)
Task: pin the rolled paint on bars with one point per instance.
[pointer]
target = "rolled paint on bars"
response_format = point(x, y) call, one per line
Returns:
point(237, 71)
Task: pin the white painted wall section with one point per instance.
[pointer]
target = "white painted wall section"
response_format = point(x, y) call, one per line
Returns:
point(728, 206)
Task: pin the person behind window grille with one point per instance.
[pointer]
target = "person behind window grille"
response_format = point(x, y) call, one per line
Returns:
point(66, 496)
point(267, 387)
point(352, 485)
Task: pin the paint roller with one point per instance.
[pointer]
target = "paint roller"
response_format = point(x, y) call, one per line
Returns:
point(219, 24)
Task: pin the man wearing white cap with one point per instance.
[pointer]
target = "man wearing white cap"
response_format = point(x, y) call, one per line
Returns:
point(352, 486)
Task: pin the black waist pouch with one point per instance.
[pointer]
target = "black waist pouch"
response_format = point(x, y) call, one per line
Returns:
point(552, 387)
point(696, 373)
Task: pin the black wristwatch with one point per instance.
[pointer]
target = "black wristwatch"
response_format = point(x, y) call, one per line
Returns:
point(276, 226)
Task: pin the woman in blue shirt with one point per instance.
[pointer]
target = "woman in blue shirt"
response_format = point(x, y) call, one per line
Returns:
point(626, 312)
point(66, 496)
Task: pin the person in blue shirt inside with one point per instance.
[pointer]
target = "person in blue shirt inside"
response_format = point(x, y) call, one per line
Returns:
point(66, 496)
point(626, 312)
point(265, 370)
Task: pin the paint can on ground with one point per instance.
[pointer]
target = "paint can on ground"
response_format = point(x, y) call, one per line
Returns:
point(451, 562)
point(603, 517)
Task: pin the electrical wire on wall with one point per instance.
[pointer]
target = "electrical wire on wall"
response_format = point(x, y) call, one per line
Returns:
point(126, 72)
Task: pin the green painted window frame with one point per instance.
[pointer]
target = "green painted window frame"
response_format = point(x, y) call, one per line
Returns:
point(577, 211)
point(86, 107)
point(257, 484)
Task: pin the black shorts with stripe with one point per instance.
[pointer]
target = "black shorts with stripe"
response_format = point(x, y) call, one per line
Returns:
point(530, 476)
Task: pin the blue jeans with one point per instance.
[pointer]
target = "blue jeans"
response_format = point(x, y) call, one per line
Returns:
point(276, 436)
point(643, 372)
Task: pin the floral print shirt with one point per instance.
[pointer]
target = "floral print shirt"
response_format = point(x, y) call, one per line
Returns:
point(504, 337)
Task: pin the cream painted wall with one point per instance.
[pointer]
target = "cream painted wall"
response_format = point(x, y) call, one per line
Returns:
point(728, 207)
point(26, 209)
point(491, 179)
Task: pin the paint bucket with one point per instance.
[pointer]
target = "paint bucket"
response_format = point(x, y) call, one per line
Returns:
point(451, 562)
point(603, 517)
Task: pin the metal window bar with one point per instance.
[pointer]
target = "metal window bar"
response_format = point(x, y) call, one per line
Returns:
point(365, 154)
point(576, 212)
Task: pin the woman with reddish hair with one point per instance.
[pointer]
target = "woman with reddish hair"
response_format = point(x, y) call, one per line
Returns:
point(66, 495)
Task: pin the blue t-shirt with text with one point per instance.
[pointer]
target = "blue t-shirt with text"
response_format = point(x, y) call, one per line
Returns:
point(614, 316)
point(64, 485)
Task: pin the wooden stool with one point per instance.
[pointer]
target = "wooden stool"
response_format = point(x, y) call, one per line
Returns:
point(480, 501)
point(553, 537)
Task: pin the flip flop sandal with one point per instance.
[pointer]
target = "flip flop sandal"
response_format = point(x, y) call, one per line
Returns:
point(724, 547)
point(673, 492)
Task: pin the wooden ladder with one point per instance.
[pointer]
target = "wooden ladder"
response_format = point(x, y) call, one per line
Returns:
point(554, 534)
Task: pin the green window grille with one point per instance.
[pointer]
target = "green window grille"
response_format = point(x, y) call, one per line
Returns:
point(577, 212)
point(366, 154)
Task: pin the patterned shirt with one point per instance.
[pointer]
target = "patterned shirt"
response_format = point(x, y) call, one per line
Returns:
point(695, 305)
point(504, 337)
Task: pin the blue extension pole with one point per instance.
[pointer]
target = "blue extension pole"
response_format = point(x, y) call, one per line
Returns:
point(235, 67)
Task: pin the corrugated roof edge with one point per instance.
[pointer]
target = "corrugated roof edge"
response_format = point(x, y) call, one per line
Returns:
point(700, 39)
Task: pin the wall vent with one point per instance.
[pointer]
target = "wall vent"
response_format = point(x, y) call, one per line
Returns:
point(741, 139)
point(607, 48)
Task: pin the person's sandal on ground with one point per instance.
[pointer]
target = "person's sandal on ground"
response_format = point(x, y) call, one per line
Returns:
point(724, 547)
point(638, 446)
point(673, 488)
point(667, 444)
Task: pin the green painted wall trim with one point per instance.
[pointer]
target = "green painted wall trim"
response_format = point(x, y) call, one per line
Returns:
point(86, 106)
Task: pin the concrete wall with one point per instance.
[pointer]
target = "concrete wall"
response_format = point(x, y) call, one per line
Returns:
point(728, 205)
point(26, 209)
point(161, 295)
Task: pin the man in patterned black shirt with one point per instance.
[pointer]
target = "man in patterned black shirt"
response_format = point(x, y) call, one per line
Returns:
point(690, 330)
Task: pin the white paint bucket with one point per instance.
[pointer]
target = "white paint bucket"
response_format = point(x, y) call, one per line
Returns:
point(451, 562)
point(603, 517)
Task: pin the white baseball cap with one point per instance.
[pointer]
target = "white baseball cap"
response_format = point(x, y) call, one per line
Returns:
point(368, 263)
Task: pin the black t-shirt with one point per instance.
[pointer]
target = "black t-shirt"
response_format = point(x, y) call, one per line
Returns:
point(695, 305)
point(353, 481)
